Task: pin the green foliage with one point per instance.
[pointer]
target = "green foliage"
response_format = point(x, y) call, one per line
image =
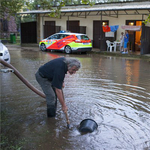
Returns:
point(53, 6)
point(91, 3)
point(85, 1)
point(10, 7)
point(147, 20)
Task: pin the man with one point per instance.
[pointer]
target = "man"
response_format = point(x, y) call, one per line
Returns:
point(126, 40)
point(121, 42)
point(51, 78)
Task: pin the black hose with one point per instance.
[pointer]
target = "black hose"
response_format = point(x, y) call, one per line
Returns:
point(18, 74)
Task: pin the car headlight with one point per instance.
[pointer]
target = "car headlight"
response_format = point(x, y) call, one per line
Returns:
point(5, 53)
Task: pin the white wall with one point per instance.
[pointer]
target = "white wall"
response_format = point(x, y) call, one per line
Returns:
point(88, 22)
point(148, 24)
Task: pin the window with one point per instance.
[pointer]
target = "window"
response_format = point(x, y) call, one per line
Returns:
point(53, 37)
point(82, 37)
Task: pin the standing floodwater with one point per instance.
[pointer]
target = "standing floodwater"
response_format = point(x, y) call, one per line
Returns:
point(113, 91)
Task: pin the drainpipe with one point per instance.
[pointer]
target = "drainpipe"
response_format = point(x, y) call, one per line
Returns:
point(18, 74)
point(101, 36)
point(68, 24)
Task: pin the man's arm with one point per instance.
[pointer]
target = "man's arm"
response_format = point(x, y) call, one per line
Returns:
point(60, 96)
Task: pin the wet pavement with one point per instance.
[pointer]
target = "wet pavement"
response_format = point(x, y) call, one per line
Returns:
point(114, 91)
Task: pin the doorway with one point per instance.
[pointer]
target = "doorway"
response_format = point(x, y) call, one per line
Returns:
point(99, 40)
point(29, 32)
point(145, 48)
point(134, 36)
point(138, 37)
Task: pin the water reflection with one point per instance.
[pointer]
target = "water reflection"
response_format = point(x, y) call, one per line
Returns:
point(112, 91)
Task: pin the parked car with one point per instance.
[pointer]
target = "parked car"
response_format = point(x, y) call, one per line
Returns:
point(67, 42)
point(4, 53)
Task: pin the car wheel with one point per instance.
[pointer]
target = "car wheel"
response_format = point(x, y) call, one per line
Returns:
point(43, 47)
point(68, 50)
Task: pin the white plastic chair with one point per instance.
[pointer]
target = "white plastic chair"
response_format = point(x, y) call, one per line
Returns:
point(110, 45)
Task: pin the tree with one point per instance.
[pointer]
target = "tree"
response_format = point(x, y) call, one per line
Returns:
point(55, 5)
point(11, 7)
point(147, 20)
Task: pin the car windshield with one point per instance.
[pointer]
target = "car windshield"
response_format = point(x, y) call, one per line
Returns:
point(63, 36)
point(82, 37)
point(57, 36)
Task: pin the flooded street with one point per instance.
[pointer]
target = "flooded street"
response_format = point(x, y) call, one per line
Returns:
point(113, 91)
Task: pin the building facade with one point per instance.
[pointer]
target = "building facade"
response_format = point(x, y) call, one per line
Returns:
point(90, 20)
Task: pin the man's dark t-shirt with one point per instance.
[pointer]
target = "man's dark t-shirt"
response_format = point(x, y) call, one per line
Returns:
point(55, 71)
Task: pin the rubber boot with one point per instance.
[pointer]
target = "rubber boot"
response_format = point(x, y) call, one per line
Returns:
point(51, 110)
